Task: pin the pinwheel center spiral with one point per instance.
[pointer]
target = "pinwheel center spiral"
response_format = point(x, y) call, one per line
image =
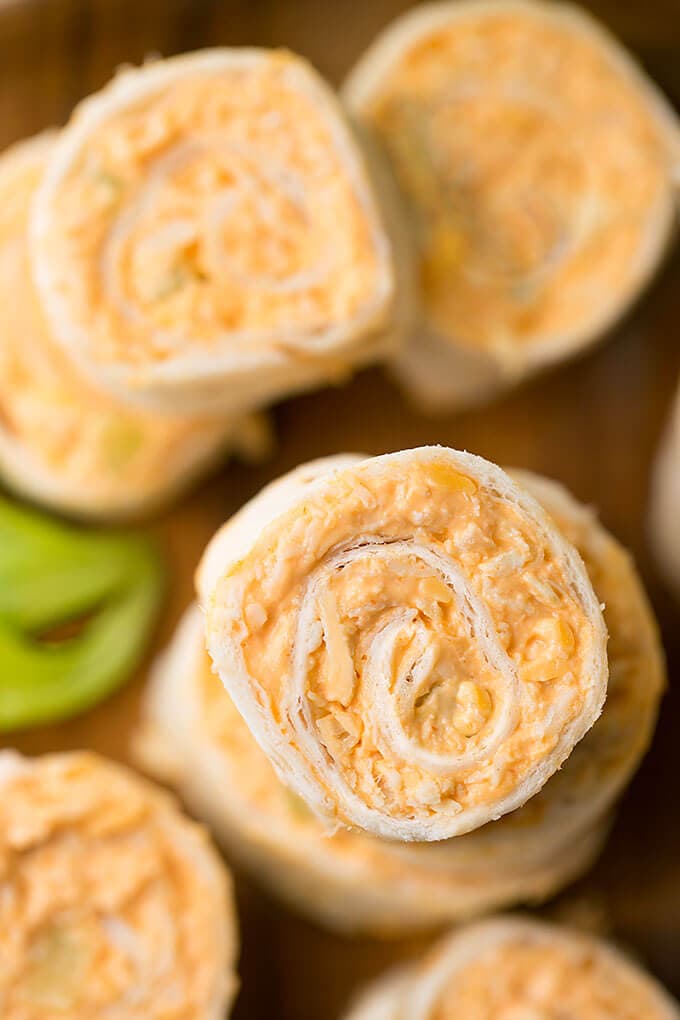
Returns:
point(211, 215)
point(213, 210)
point(506, 213)
point(393, 645)
point(419, 642)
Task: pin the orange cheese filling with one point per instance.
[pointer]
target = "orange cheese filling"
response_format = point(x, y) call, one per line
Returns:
point(45, 405)
point(537, 980)
point(616, 742)
point(219, 205)
point(445, 691)
point(111, 904)
point(602, 758)
point(534, 169)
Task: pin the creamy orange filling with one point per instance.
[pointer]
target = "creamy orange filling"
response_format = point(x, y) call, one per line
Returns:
point(636, 677)
point(539, 980)
point(534, 171)
point(601, 758)
point(221, 203)
point(47, 407)
point(108, 904)
point(444, 690)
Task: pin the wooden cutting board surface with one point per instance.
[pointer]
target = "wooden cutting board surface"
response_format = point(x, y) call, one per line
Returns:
point(593, 424)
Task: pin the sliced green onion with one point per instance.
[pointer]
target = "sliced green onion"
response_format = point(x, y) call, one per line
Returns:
point(53, 575)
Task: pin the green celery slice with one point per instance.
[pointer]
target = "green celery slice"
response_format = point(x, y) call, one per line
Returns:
point(52, 574)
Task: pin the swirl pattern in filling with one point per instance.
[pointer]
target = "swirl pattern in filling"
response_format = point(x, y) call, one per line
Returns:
point(537, 164)
point(113, 904)
point(412, 642)
point(183, 227)
point(62, 440)
point(194, 737)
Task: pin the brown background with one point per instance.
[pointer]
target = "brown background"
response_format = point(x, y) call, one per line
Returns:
point(593, 424)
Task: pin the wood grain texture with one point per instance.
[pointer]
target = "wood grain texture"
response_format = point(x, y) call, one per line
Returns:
point(593, 424)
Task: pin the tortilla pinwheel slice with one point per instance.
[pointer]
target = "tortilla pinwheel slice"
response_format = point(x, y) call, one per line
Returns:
point(206, 236)
point(64, 442)
point(114, 904)
point(665, 512)
point(520, 969)
point(193, 737)
point(409, 638)
point(538, 169)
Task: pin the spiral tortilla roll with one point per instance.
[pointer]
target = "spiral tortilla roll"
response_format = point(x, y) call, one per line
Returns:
point(409, 638)
point(665, 512)
point(517, 968)
point(113, 904)
point(63, 442)
point(206, 235)
point(538, 168)
point(194, 738)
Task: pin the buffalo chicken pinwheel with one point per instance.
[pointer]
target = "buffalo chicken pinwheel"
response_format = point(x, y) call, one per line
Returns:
point(113, 904)
point(665, 515)
point(193, 737)
point(206, 236)
point(64, 442)
point(410, 639)
point(538, 170)
point(518, 969)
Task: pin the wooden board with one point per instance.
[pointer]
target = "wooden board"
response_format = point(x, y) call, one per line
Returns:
point(594, 425)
